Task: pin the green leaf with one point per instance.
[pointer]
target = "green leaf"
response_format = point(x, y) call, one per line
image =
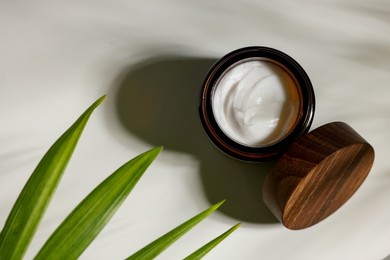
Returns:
point(201, 252)
point(156, 247)
point(28, 210)
point(86, 221)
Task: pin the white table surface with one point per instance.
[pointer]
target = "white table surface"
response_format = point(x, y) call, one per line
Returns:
point(57, 57)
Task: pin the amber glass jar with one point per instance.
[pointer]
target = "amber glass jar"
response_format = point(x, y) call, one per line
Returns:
point(272, 148)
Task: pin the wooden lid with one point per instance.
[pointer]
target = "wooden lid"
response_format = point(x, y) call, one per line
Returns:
point(317, 175)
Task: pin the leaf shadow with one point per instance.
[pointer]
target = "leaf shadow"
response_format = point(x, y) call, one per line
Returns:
point(166, 90)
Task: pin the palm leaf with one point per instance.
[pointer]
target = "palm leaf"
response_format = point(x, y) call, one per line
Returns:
point(28, 210)
point(156, 247)
point(86, 221)
point(201, 252)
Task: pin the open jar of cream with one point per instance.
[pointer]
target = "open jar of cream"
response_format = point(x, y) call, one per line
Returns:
point(255, 102)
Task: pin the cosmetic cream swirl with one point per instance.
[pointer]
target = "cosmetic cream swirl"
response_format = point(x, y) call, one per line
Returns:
point(256, 102)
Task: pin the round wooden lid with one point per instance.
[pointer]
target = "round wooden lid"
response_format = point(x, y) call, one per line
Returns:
point(317, 175)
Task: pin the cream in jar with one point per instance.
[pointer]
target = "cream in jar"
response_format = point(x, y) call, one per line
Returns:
point(256, 102)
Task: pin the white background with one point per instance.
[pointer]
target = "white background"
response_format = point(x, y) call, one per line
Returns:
point(57, 57)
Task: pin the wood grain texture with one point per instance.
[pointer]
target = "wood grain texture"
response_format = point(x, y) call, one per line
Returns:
point(317, 175)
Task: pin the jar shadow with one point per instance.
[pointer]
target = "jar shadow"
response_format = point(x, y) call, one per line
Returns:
point(157, 100)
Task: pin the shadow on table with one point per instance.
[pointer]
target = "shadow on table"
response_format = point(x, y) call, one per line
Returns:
point(157, 100)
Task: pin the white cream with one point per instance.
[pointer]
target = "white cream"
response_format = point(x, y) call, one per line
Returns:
point(255, 103)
